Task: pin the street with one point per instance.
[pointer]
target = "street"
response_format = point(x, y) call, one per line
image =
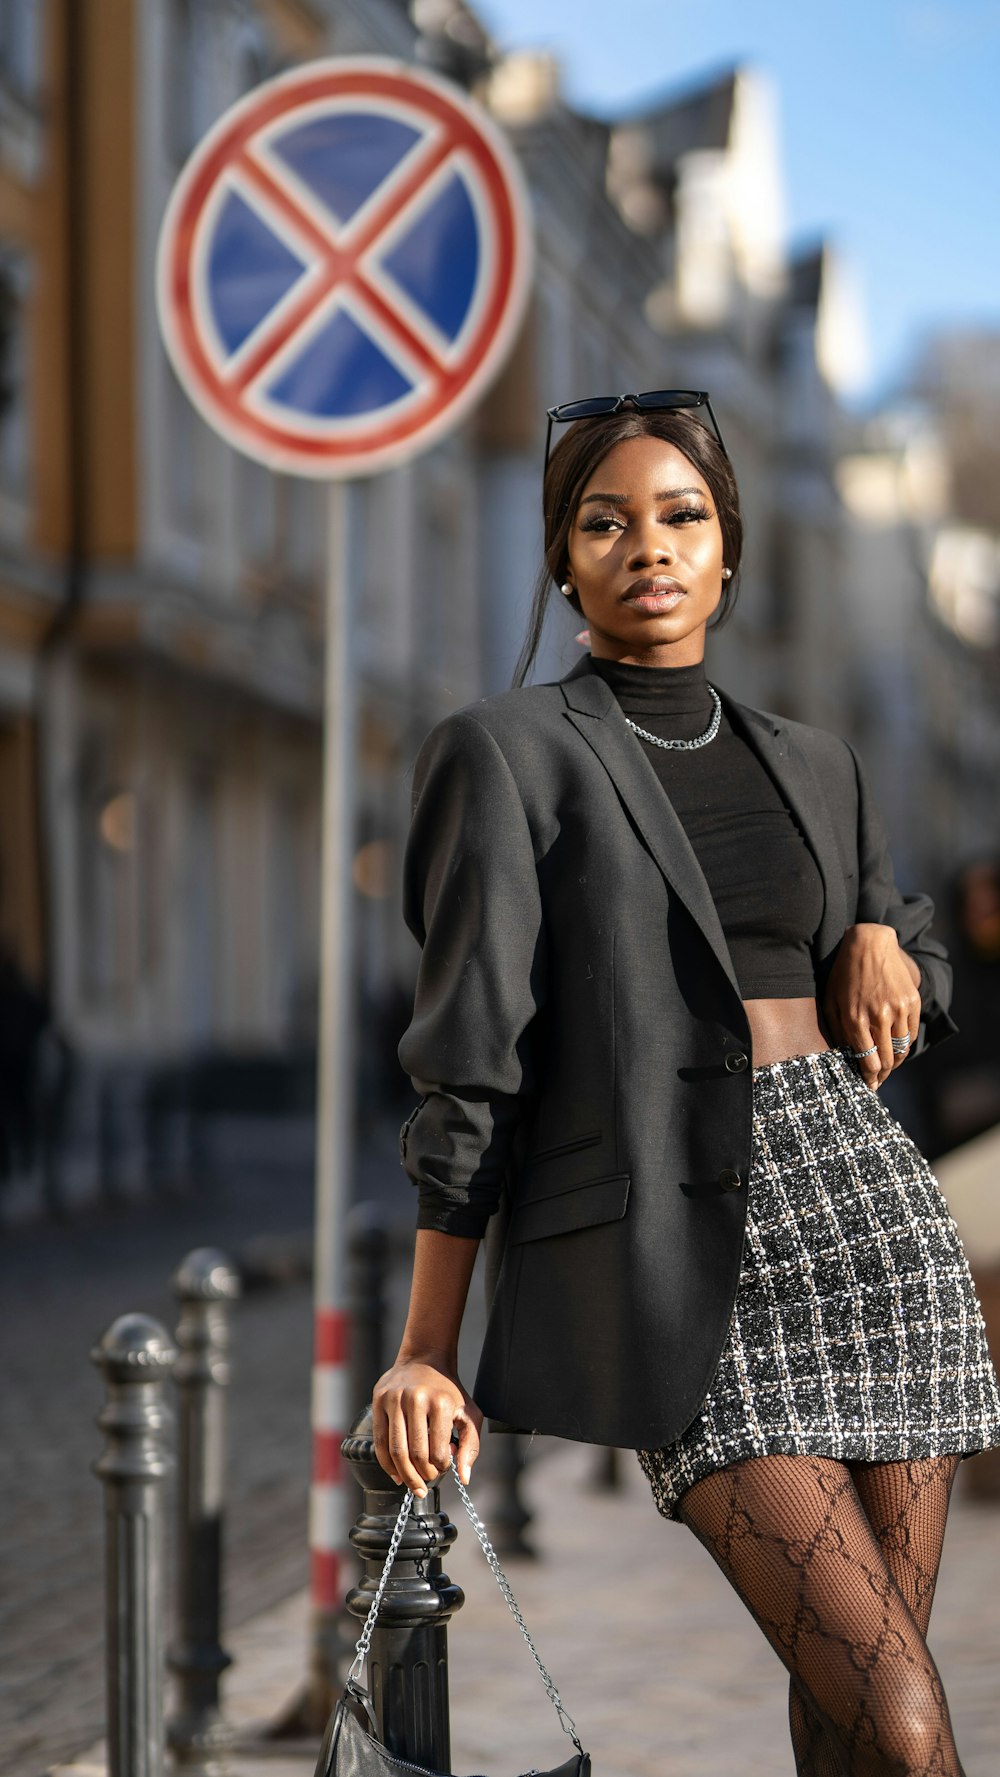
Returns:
point(651, 1651)
point(657, 1662)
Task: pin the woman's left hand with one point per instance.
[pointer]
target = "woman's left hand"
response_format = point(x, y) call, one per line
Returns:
point(872, 996)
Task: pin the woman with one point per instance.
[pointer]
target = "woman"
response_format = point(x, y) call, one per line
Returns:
point(665, 968)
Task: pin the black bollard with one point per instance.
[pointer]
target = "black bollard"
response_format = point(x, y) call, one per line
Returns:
point(511, 1516)
point(134, 1356)
point(205, 1283)
point(407, 1675)
point(607, 1476)
point(367, 1237)
point(368, 1247)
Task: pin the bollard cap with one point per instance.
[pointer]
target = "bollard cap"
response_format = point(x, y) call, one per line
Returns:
point(135, 1348)
point(358, 1447)
point(206, 1275)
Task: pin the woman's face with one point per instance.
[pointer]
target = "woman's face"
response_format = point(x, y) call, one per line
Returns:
point(645, 555)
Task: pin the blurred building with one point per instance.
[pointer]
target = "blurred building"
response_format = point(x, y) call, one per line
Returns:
point(921, 484)
point(161, 597)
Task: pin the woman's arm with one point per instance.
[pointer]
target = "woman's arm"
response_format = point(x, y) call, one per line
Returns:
point(419, 1398)
point(872, 995)
point(471, 899)
point(910, 917)
point(889, 976)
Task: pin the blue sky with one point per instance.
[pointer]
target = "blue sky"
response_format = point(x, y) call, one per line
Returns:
point(889, 118)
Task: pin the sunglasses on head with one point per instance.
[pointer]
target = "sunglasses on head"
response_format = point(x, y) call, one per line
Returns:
point(652, 401)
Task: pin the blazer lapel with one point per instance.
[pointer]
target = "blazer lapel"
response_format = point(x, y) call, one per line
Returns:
point(596, 713)
point(594, 710)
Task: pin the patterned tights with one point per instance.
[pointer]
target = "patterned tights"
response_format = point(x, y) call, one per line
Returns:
point(837, 1563)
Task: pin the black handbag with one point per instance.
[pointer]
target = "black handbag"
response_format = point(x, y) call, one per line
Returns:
point(352, 1749)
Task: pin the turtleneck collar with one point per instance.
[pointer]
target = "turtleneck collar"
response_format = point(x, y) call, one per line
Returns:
point(656, 690)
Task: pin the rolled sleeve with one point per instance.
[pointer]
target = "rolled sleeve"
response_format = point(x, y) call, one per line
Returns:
point(471, 899)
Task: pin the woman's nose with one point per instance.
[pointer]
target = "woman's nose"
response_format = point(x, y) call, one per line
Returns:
point(649, 542)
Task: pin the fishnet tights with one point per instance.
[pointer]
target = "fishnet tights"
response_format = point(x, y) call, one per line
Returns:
point(837, 1564)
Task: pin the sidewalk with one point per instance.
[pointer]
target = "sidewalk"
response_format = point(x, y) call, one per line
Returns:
point(654, 1656)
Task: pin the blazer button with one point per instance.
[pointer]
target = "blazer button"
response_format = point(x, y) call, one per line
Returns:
point(736, 1061)
point(729, 1180)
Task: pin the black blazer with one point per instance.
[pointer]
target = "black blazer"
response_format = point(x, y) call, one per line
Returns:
point(581, 1049)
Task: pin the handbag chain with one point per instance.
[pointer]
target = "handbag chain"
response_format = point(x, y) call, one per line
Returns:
point(566, 1721)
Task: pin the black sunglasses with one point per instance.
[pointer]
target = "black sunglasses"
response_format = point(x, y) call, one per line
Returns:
point(652, 401)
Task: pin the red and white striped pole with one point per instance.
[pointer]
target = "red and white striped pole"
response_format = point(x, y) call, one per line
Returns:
point(327, 1506)
point(329, 1515)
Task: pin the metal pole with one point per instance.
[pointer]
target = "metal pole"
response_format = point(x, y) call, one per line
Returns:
point(329, 1513)
point(407, 1673)
point(368, 1248)
point(134, 1356)
point(205, 1283)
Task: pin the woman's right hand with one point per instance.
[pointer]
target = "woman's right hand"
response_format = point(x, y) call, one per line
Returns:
point(415, 1403)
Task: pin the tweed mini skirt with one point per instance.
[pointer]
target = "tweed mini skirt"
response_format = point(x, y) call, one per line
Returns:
point(856, 1332)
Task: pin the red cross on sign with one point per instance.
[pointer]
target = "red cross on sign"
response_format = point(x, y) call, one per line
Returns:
point(343, 265)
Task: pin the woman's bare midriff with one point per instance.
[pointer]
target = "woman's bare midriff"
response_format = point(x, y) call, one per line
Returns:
point(780, 1028)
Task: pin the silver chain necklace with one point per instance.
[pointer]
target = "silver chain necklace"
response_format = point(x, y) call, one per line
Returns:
point(700, 740)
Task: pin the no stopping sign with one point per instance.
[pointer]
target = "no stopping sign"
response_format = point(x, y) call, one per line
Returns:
point(343, 264)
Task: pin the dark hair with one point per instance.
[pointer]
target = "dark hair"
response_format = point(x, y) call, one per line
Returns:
point(576, 456)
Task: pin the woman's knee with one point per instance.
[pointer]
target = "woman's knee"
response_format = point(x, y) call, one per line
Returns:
point(906, 1730)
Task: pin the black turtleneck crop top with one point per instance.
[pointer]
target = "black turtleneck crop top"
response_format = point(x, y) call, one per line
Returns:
point(762, 876)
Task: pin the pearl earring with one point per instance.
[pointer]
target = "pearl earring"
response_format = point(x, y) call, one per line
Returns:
point(727, 573)
point(566, 588)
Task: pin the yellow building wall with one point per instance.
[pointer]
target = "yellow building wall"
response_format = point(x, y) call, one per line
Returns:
point(108, 289)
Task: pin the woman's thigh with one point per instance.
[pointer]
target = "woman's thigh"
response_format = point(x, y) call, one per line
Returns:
point(792, 1537)
point(906, 1503)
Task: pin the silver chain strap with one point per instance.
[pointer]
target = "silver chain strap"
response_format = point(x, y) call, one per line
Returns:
point(566, 1721)
point(700, 740)
point(363, 1643)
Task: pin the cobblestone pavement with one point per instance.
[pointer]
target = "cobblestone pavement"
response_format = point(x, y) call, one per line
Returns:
point(61, 1287)
point(660, 1665)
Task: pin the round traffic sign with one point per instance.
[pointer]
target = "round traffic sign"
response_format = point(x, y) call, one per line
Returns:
point(343, 264)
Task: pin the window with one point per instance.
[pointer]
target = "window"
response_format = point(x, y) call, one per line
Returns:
point(21, 48)
point(14, 433)
point(300, 510)
point(200, 904)
point(188, 467)
point(257, 515)
point(181, 76)
point(107, 836)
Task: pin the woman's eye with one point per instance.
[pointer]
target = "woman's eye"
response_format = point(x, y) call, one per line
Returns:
point(602, 522)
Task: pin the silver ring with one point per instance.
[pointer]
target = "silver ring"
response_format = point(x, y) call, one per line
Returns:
point(859, 1054)
point(901, 1044)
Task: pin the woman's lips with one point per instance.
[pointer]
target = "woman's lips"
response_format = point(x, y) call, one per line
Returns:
point(656, 595)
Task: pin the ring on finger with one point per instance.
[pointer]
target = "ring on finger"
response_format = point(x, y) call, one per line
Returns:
point(901, 1044)
point(860, 1054)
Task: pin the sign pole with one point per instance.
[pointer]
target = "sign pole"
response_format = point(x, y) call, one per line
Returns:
point(328, 1511)
point(342, 268)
